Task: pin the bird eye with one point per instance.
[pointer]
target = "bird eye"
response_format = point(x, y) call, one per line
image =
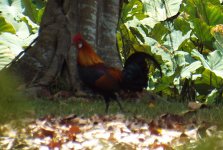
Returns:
point(80, 45)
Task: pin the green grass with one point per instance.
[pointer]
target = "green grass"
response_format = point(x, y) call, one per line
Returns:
point(132, 108)
point(88, 108)
point(16, 106)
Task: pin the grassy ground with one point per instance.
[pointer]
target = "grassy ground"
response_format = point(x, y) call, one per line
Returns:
point(17, 108)
point(132, 108)
point(87, 108)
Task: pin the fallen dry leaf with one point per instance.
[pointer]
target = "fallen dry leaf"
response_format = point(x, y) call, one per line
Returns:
point(100, 132)
point(74, 130)
point(196, 105)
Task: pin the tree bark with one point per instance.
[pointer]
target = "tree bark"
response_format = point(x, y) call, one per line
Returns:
point(51, 61)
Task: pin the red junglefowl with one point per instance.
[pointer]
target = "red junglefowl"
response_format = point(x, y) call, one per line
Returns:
point(107, 80)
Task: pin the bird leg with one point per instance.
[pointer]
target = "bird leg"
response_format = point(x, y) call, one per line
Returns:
point(107, 101)
point(119, 104)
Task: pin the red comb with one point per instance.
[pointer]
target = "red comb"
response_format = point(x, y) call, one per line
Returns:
point(77, 37)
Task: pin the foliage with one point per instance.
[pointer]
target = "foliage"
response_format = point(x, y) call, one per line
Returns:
point(19, 24)
point(13, 104)
point(185, 37)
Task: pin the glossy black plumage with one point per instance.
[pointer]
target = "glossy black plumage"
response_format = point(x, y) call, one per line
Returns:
point(135, 72)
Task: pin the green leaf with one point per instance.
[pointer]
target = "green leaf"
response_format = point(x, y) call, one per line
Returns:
point(182, 25)
point(32, 11)
point(5, 27)
point(133, 8)
point(137, 34)
point(18, 17)
point(215, 59)
point(40, 14)
point(14, 13)
point(183, 58)
point(161, 9)
point(6, 56)
point(175, 39)
point(214, 14)
point(189, 71)
point(213, 67)
point(217, 32)
point(159, 32)
point(212, 97)
point(213, 62)
point(39, 3)
point(162, 55)
point(209, 78)
point(12, 42)
point(5, 2)
point(202, 32)
point(207, 11)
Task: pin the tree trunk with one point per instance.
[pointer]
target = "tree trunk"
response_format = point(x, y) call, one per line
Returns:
point(51, 61)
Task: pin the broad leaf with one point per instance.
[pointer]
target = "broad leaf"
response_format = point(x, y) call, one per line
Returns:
point(183, 59)
point(202, 32)
point(208, 11)
point(161, 54)
point(6, 55)
point(19, 17)
point(12, 42)
point(214, 61)
point(133, 8)
point(212, 97)
point(213, 66)
point(32, 11)
point(159, 32)
point(175, 39)
point(189, 71)
point(5, 27)
point(217, 32)
point(161, 9)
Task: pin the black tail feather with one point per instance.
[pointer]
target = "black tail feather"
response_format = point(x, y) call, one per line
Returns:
point(135, 72)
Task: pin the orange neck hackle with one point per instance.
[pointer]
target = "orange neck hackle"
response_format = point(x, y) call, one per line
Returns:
point(86, 56)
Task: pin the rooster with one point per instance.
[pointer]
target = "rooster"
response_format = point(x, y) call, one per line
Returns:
point(107, 80)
